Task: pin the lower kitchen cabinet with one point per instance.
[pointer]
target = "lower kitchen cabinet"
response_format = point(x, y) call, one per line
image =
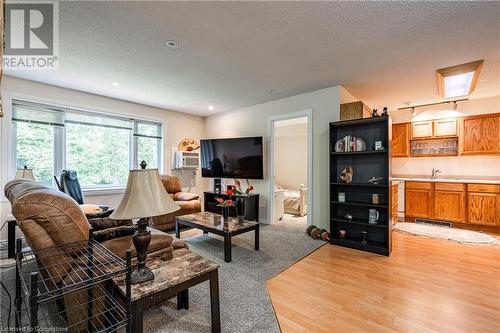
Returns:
point(483, 204)
point(394, 203)
point(418, 200)
point(450, 202)
point(476, 204)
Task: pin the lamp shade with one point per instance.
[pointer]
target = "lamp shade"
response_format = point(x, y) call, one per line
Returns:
point(145, 196)
point(25, 174)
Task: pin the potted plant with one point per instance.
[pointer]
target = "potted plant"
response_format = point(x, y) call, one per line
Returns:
point(225, 204)
point(240, 198)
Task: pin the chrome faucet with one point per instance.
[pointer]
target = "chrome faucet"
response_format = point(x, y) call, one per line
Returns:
point(435, 172)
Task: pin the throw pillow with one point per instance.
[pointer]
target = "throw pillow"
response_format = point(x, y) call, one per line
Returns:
point(185, 196)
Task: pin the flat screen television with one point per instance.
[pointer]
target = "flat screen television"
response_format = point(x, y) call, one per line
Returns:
point(232, 158)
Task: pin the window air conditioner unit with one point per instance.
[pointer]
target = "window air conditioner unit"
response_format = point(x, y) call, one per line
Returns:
point(186, 160)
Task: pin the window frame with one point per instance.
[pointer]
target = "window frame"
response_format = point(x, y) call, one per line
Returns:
point(59, 149)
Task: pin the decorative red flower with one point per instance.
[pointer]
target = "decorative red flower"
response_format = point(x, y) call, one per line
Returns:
point(220, 200)
point(238, 183)
point(229, 202)
point(229, 192)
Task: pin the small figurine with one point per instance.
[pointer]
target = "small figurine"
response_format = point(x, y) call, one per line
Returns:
point(346, 175)
point(375, 180)
point(342, 233)
point(375, 113)
point(384, 111)
point(348, 216)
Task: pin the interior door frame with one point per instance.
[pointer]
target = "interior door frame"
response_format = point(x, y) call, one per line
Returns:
point(271, 133)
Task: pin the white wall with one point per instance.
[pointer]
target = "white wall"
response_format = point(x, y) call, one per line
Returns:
point(478, 166)
point(254, 121)
point(177, 126)
point(290, 157)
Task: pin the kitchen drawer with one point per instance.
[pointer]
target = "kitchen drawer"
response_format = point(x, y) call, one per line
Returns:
point(418, 185)
point(483, 188)
point(449, 187)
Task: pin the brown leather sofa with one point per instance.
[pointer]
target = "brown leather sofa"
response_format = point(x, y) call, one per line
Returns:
point(50, 218)
point(189, 203)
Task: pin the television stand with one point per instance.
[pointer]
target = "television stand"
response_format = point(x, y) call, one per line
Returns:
point(251, 205)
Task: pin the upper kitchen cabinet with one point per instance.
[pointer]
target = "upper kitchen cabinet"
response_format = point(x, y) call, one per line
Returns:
point(481, 134)
point(421, 130)
point(401, 140)
point(445, 128)
point(441, 128)
point(434, 138)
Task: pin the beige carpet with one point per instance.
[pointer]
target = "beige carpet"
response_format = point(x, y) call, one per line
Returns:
point(453, 234)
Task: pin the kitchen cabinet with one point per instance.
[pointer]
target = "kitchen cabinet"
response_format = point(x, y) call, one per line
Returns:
point(445, 128)
point(394, 203)
point(474, 204)
point(440, 128)
point(421, 130)
point(483, 204)
point(481, 134)
point(418, 200)
point(449, 202)
point(473, 135)
point(401, 140)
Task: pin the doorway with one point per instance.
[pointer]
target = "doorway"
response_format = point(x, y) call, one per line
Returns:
point(290, 168)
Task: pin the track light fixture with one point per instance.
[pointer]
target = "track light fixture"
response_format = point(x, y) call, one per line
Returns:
point(413, 112)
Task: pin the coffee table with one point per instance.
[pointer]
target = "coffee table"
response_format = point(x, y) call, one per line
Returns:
point(173, 278)
point(211, 222)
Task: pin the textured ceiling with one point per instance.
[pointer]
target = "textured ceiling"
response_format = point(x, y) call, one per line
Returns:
point(232, 53)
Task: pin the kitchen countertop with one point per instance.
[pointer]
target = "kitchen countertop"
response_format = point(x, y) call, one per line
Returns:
point(447, 179)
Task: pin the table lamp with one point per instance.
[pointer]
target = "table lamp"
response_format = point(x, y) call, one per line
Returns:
point(25, 173)
point(144, 198)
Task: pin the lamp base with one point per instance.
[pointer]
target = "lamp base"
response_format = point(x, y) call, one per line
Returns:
point(141, 239)
point(141, 275)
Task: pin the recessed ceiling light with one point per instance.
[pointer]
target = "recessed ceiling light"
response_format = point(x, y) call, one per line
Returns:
point(211, 107)
point(273, 91)
point(173, 44)
point(115, 84)
point(460, 80)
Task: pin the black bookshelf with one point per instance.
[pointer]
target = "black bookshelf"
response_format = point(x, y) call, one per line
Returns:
point(358, 194)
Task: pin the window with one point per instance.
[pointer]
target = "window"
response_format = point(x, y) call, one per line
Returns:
point(35, 145)
point(147, 138)
point(101, 148)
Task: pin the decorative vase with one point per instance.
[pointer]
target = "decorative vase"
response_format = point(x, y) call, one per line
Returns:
point(240, 209)
point(225, 213)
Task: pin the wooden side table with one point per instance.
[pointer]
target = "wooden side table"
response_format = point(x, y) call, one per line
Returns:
point(174, 278)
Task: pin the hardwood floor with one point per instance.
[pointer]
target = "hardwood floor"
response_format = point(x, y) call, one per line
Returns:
point(426, 285)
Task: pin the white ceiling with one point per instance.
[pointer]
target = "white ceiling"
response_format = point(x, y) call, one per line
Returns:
point(232, 53)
